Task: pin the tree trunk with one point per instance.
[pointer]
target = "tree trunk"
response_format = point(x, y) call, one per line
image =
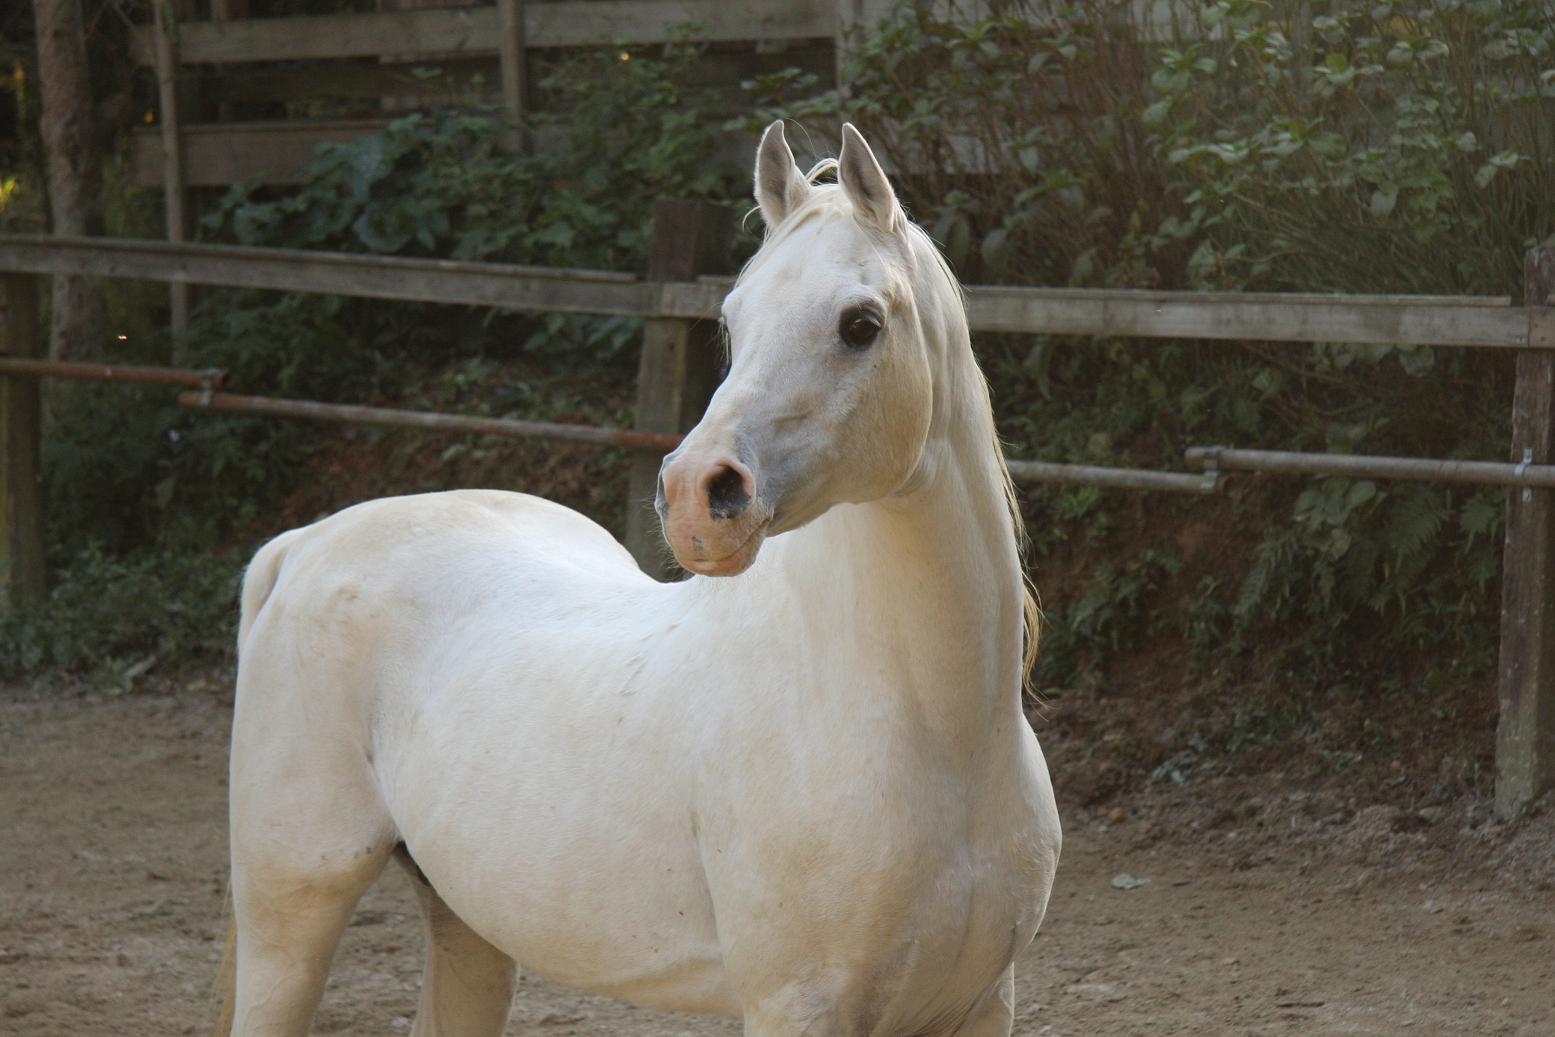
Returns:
point(78, 317)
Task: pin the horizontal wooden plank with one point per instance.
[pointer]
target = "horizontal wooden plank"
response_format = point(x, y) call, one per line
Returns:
point(658, 21)
point(469, 78)
point(473, 30)
point(1268, 318)
point(219, 154)
point(216, 155)
point(1146, 295)
point(1188, 315)
point(465, 79)
point(1442, 320)
point(540, 289)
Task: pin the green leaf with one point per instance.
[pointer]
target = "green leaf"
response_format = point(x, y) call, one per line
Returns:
point(995, 248)
point(1156, 114)
point(1383, 200)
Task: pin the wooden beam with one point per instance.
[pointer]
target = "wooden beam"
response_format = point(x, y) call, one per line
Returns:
point(680, 363)
point(165, 26)
point(475, 30)
point(1195, 315)
point(216, 155)
point(542, 289)
point(472, 78)
point(352, 80)
point(23, 577)
point(1525, 731)
point(1259, 317)
point(515, 71)
point(1267, 317)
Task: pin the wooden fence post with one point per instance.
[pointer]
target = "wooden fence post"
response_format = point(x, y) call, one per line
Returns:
point(21, 526)
point(849, 14)
point(680, 363)
point(513, 59)
point(169, 119)
point(1525, 733)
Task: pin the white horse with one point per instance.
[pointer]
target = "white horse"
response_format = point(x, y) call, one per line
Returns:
point(806, 796)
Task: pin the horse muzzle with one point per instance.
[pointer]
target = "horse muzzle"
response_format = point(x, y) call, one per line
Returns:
point(713, 518)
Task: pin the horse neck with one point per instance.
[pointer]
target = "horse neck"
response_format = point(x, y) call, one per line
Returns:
point(922, 589)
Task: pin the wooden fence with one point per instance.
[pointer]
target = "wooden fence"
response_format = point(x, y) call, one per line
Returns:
point(679, 299)
point(234, 59)
point(214, 74)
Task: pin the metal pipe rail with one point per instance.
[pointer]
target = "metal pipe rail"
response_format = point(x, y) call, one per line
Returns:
point(1213, 459)
point(208, 378)
point(310, 410)
point(1112, 478)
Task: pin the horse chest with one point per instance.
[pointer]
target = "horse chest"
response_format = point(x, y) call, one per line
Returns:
point(919, 892)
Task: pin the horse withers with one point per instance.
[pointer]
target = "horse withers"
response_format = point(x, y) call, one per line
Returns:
point(803, 794)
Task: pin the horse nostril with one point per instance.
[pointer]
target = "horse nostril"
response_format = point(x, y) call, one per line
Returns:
point(726, 494)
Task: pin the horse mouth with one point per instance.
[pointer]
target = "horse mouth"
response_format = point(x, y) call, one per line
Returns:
point(731, 564)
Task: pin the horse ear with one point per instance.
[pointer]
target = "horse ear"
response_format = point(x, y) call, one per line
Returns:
point(780, 186)
point(864, 182)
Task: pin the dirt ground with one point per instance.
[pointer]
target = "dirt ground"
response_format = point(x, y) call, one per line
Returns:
point(1267, 909)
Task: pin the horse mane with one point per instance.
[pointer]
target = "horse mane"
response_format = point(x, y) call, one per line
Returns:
point(828, 197)
point(1031, 609)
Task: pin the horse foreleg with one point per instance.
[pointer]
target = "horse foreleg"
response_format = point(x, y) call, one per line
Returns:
point(286, 939)
point(467, 985)
point(994, 1014)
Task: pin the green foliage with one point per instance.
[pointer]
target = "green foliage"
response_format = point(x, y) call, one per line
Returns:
point(1403, 147)
point(1017, 135)
point(147, 484)
point(1374, 147)
point(110, 613)
point(1111, 611)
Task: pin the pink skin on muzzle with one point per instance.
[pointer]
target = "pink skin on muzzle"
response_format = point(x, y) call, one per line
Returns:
point(713, 520)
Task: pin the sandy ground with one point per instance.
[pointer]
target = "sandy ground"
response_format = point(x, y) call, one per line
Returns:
point(1257, 918)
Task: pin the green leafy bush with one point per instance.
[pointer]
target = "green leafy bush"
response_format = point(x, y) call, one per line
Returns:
point(1234, 144)
point(1370, 147)
point(1382, 147)
point(110, 613)
point(147, 485)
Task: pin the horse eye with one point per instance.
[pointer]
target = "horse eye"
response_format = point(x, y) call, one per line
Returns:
point(859, 328)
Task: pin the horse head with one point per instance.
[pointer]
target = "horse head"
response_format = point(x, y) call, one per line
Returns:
point(830, 393)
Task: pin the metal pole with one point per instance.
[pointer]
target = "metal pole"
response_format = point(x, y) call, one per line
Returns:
point(210, 378)
point(310, 410)
point(1113, 478)
point(1360, 466)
